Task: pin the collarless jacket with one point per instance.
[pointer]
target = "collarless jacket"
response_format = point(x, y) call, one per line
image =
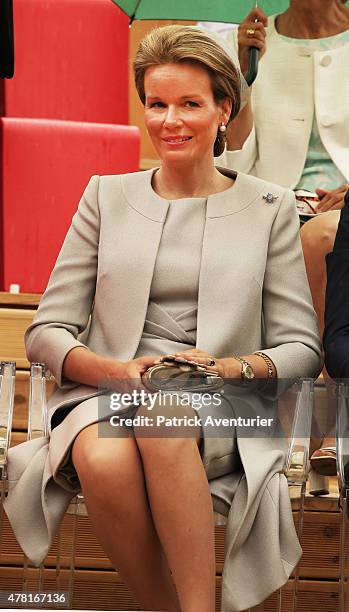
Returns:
point(253, 294)
point(253, 290)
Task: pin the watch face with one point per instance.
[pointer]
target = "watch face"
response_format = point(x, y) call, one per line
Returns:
point(248, 372)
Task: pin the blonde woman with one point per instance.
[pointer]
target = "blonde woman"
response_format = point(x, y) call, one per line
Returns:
point(184, 258)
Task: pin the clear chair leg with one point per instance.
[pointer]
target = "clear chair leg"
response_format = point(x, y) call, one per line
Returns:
point(2, 498)
point(279, 601)
point(343, 570)
point(294, 602)
point(58, 567)
point(76, 506)
point(32, 577)
point(66, 550)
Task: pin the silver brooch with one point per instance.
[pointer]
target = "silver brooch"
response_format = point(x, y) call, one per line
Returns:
point(270, 197)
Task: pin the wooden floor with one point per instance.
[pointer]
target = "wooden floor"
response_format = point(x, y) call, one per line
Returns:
point(97, 586)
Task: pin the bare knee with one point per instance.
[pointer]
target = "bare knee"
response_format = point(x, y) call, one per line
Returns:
point(318, 235)
point(175, 433)
point(104, 462)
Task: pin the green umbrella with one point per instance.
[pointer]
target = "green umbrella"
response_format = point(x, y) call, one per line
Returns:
point(226, 11)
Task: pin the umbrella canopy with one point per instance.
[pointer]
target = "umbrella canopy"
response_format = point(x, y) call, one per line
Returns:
point(224, 11)
point(227, 11)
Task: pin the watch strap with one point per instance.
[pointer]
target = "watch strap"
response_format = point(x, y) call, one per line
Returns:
point(244, 364)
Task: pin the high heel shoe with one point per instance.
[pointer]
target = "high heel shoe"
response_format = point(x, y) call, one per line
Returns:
point(324, 461)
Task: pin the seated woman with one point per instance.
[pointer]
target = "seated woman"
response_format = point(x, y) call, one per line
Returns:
point(185, 257)
point(294, 128)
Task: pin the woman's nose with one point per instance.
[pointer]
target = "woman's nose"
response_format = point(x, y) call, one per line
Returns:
point(172, 118)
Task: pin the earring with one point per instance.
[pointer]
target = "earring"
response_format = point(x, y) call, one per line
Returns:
point(222, 128)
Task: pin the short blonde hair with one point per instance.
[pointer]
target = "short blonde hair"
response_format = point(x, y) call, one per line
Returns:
point(176, 44)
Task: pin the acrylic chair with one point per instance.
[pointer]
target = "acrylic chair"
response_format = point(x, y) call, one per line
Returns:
point(342, 434)
point(33, 578)
point(298, 402)
point(7, 392)
point(37, 427)
point(296, 468)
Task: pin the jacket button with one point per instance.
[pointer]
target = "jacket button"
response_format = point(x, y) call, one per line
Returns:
point(326, 61)
point(326, 121)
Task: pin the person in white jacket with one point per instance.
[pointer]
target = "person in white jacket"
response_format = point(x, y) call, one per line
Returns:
point(294, 127)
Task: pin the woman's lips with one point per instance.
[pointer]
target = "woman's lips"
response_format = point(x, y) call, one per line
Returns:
point(176, 140)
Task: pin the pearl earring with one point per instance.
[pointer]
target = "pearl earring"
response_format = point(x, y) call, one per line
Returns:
point(222, 128)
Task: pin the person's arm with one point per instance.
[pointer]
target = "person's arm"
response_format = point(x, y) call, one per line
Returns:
point(241, 149)
point(336, 334)
point(291, 337)
point(86, 367)
point(241, 127)
point(66, 305)
point(229, 367)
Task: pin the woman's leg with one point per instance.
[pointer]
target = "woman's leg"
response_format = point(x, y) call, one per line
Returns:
point(181, 506)
point(112, 480)
point(318, 236)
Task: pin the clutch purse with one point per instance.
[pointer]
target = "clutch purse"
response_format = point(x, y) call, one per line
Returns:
point(176, 375)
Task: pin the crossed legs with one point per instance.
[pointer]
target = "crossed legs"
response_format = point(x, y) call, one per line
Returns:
point(150, 506)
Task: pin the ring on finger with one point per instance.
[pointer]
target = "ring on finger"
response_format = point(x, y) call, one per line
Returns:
point(211, 362)
point(250, 32)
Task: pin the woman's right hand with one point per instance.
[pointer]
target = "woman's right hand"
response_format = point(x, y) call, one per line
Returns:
point(88, 368)
point(127, 375)
point(245, 40)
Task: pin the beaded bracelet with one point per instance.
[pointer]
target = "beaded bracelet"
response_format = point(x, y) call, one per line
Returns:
point(268, 361)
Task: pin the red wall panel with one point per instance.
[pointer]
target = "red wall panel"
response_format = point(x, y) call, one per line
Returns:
point(71, 61)
point(46, 166)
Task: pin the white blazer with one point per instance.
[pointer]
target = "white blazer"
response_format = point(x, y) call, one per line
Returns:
point(291, 82)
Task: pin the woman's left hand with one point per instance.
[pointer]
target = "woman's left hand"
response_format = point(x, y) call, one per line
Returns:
point(331, 199)
point(226, 368)
point(197, 355)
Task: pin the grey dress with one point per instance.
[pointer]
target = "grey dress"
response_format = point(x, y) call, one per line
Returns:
point(171, 319)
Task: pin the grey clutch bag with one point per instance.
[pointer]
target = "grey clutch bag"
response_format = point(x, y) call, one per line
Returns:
point(173, 375)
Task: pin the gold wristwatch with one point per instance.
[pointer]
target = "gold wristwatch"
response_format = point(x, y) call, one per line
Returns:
point(247, 373)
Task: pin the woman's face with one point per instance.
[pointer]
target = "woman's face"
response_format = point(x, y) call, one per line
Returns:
point(181, 115)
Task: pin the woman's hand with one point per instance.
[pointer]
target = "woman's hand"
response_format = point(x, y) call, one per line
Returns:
point(127, 375)
point(227, 367)
point(197, 355)
point(331, 199)
point(247, 39)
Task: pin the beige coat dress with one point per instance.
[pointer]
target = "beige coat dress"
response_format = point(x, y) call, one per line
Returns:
point(252, 295)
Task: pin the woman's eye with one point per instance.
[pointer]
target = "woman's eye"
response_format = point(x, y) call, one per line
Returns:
point(156, 105)
point(192, 103)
